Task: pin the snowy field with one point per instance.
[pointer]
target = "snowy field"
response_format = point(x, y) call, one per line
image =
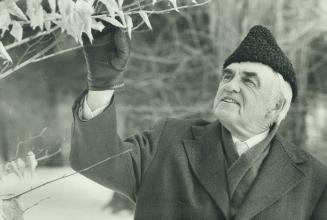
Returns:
point(74, 197)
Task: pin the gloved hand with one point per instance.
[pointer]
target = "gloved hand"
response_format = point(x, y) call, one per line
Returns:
point(106, 58)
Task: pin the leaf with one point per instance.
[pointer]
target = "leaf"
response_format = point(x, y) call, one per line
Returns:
point(2, 214)
point(21, 165)
point(4, 54)
point(129, 23)
point(71, 21)
point(91, 2)
point(122, 17)
point(112, 21)
point(66, 8)
point(85, 10)
point(35, 13)
point(145, 18)
point(53, 5)
point(76, 18)
point(111, 6)
point(12, 167)
point(12, 210)
point(97, 25)
point(48, 18)
point(17, 31)
point(174, 3)
point(120, 4)
point(31, 161)
point(15, 10)
point(5, 20)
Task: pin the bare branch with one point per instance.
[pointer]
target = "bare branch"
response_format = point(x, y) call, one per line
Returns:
point(169, 9)
point(35, 204)
point(68, 175)
point(56, 54)
point(25, 40)
point(30, 139)
point(47, 156)
point(17, 67)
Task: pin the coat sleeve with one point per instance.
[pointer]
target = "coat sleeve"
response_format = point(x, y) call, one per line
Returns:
point(97, 139)
point(320, 211)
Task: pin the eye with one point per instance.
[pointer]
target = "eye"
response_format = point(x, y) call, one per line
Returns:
point(249, 82)
point(227, 76)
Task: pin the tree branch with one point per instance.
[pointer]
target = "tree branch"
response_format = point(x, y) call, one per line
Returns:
point(35, 204)
point(25, 40)
point(56, 54)
point(68, 175)
point(47, 156)
point(29, 139)
point(169, 9)
point(17, 67)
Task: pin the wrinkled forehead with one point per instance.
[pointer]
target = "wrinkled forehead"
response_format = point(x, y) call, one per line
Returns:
point(263, 72)
point(259, 68)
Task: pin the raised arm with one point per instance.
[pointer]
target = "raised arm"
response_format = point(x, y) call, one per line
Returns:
point(94, 136)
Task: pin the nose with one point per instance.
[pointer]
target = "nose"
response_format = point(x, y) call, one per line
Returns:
point(233, 85)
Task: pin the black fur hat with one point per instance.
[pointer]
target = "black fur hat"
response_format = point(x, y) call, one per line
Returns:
point(260, 46)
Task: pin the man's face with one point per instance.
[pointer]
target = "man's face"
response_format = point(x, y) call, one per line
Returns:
point(245, 97)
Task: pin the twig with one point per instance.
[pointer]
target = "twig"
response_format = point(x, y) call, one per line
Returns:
point(29, 49)
point(56, 54)
point(170, 9)
point(29, 139)
point(35, 204)
point(17, 67)
point(3, 195)
point(68, 175)
point(132, 4)
point(47, 156)
point(142, 6)
point(138, 26)
point(25, 40)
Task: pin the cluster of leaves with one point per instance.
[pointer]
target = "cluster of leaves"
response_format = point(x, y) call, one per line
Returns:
point(25, 161)
point(76, 17)
point(10, 204)
point(11, 210)
point(19, 166)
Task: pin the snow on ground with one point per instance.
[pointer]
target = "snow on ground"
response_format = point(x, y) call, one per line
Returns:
point(72, 198)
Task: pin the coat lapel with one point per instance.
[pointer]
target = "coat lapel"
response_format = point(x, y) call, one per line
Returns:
point(207, 161)
point(279, 174)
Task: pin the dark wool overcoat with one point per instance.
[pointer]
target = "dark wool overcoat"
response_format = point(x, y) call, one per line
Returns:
point(176, 171)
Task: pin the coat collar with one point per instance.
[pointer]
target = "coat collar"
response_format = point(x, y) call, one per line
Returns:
point(206, 158)
point(280, 173)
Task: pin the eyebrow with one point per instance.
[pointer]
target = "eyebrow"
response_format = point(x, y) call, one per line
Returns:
point(225, 71)
point(253, 75)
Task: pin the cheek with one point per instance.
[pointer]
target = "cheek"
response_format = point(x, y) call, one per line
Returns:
point(218, 94)
point(251, 102)
point(255, 107)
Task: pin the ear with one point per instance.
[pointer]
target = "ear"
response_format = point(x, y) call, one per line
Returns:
point(276, 109)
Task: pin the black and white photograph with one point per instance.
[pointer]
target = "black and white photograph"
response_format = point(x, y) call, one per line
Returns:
point(163, 110)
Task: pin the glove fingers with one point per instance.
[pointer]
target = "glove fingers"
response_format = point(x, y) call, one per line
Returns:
point(122, 43)
point(100, 37)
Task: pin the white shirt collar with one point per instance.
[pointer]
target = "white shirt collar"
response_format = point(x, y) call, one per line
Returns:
point(253, 140)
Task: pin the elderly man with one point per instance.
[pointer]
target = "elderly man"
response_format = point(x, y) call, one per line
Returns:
point(234, 168)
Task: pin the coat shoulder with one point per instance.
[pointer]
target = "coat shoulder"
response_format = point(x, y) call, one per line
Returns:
point(176, 129)
point(318, 169)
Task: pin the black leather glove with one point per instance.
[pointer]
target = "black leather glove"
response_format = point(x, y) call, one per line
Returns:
point(106, 58)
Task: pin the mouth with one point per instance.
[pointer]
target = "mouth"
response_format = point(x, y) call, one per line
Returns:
point(230, 100)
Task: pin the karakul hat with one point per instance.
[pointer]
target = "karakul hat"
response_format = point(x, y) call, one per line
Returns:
point(260, 46)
